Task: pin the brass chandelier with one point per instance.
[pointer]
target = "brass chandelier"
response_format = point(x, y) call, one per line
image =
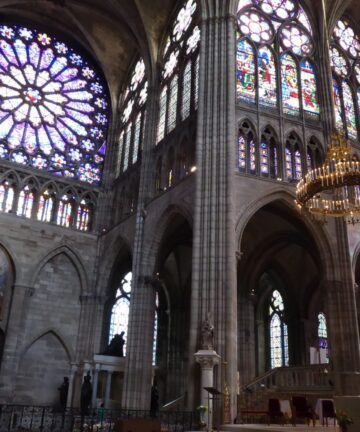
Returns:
point(333, 189)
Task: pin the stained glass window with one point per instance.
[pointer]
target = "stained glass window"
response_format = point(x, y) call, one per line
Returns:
point(132, 117)
point(297, 161)
point(289, 85)
point(252, 149)
point(54, 105)
point(45, 207)
point(119, 319)
point(245, 71)
point(349, 110)
point(278, 332)
point(83, 216)
point(345, 58)
point(275, 26)
point(7, 195)
point(264, 158)
point(186, 92)
point(308, 88)
point(242, 153)
point(180, 69)
point(322, 334)
point(288, 164)
point(64, 213)
point(267, 77)
point(25, 202)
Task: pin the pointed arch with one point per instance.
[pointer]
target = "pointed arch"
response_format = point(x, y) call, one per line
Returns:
point(74, 259)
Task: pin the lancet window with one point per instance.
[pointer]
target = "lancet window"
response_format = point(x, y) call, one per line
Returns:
point(54, 105)
point(345, 63)
point(275, 44)
point(7, 194)
point(25, 202)
point(46, 205)
point(278, 332)
point(293, 159)
point(132, 118)
point(179, 76)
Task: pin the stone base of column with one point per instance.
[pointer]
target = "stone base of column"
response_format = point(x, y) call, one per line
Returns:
point(351, 406)
point(207, 360)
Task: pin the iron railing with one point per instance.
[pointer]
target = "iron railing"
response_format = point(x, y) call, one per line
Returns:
point(48, 419)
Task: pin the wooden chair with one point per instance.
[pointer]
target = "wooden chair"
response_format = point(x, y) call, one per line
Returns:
point(274, 411)
point(328, 411)
point(302, 410)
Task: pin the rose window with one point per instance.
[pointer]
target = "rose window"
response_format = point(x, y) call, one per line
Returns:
point(255, 26)
point(278, 9)
point(184, 19)
point(53, 106)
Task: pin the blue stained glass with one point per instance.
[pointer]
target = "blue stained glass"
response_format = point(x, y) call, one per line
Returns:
point(349, 110)
point(289, 85)
point(337, 106)
point(308, 88)
point(51, 100)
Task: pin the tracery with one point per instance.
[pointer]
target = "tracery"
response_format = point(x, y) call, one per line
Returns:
point(275, 41)
point(54, 106)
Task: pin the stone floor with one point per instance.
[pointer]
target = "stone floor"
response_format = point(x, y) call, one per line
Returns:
point(278, 428)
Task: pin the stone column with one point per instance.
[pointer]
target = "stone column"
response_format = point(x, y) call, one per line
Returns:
point(214, 288)
point(70, 396)
point(207, 360)
point(95, 384)
point(138, 365)
point(108, 389)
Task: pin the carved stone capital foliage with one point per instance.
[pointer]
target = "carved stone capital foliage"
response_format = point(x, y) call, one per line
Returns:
point(207, 359)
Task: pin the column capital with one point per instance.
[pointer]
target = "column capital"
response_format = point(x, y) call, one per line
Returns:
point(207, 358)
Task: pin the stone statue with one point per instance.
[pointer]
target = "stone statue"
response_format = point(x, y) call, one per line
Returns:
point(86, 393)
point(63, 390)
point(116, 346)
point(207, 334)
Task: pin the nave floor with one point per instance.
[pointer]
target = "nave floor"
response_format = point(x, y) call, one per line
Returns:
point(278, 428)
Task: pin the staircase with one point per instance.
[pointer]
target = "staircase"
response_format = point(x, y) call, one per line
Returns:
point(313, 381)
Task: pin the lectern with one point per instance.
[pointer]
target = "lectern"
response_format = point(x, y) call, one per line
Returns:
point(213, 396)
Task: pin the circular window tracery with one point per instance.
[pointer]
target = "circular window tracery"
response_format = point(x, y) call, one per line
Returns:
point(338, 62)
point(53, 106)
point(256, 26)
point(296, 39)
point(347, 38)
point(278, 9)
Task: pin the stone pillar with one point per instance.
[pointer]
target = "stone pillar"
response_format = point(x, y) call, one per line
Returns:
point(108, 389)
point(214, 288)
point(207, 360)
point(138, 366)
point(95, 385)
point(72, 378)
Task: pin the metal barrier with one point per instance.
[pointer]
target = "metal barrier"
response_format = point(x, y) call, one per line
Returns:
point(47, 419)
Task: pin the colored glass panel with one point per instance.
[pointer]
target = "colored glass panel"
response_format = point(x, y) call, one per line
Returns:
point(275, 161)
point(10, 194)
point(83, 216)
point(127, 147)
point(183, 19)
point(245, 72)
point(277, 9)
point(297, 160)
point(255, 26)
point(252, 151)
point(264, 158)
point(322, 328)
point(296, 39)
point(309, 163)
point(2, 195)
point(288, 164)
point(337, 106)
point(25, 203)
point(349, 108)
point(137, 138)
point(347, 38)
point(64, 214)
point(242, 153)
point(338, 62)
point(120, 152)
point(171, 123)
point(186, 92)
point(267, 78)
point(45, 207)
point(289, 85)
point(53, 102)
point(279, 352)
point(275, 341)
point(308, 88)
point(162, 115)
point(196, 95)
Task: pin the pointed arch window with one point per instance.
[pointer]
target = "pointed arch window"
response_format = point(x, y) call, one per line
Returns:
point(293, 160)
point(83, 216)
point(7, 194)
point(45, 206)
point(322, 334)
point(345, 63)
point(54, 105)
point(278, 332)
point(133, 108)
point(266, 28)
point(65, 210)
point(180, 70)
point(247, 150)
point(25, 202)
